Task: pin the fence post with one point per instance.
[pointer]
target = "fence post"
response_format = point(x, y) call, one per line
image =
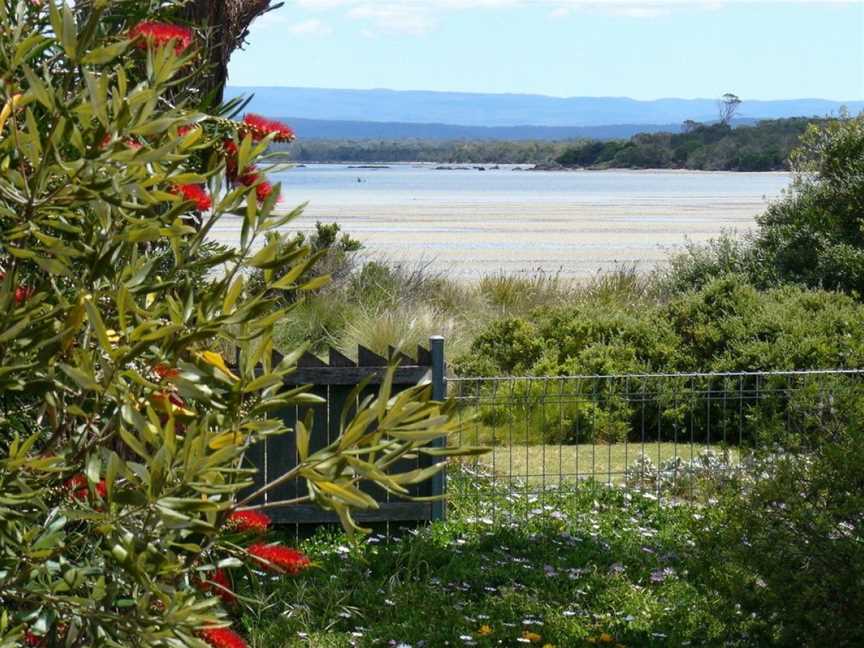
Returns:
point(439, 393)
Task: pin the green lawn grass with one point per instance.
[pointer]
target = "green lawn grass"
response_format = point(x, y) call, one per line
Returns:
point(553, 465)
point(604, 567)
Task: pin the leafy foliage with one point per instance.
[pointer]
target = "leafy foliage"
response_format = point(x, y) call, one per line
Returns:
point(728, 326)
point(709, 147)
point(787, 551)
point(123, 429)
point(812, 236)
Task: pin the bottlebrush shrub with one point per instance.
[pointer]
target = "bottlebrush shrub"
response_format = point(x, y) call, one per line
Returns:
point(123, 431)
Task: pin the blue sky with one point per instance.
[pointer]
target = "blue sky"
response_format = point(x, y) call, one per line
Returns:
point(644, 50)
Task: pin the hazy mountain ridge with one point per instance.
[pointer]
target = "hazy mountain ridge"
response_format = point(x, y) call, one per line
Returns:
point(311, 129)
point(510, 110)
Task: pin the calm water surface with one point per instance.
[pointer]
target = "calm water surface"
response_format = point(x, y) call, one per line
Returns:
point(470, 222)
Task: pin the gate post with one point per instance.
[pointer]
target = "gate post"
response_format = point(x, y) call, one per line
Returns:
point(439, 393)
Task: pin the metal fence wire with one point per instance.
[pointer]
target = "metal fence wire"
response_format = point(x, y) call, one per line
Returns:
point(671, 434)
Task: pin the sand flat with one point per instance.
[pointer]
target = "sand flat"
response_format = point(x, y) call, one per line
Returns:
point(537, 225)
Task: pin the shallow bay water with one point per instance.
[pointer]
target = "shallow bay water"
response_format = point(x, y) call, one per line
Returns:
point(470, 222)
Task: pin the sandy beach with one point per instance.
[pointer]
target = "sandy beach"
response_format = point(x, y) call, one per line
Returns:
point(574, 227)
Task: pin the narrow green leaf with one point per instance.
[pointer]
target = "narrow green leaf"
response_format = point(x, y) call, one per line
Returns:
point(83, 379)
point(103, 55)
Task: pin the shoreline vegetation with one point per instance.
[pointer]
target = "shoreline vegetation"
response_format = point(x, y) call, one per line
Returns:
point(781, 297)
point(765, 146)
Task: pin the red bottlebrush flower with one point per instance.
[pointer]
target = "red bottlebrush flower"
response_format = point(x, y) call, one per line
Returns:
point(230, 159)
point(249, 177)
point(218, 583)
point(31, 639)
point(279, 558)
point(160, 34)
point(263, 191)
point(260, 127)
point(196, 194)
point(183, 131)
point(165, 372)
point(249, 522)
point(78, 487)
point(131, 144)
point(23, 293)
point(263, 188)
point(222, 638)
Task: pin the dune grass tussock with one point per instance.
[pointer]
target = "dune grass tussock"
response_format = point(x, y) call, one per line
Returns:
point(382, 303)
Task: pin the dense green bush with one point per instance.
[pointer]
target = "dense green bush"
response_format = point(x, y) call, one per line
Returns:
point(815, 235)
point(700, 263)
point(812, 236)
point(507, 346)
point(727, 326)
point(787, 550)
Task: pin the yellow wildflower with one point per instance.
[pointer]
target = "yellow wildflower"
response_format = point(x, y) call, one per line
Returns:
point(606, 638)
point(484, 631)
point(533, 637)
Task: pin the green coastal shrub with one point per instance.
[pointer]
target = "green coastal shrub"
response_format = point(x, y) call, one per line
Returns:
point(811, 236)
point(699, 264)
point(506, 346)
point(731, 326)
point(727, 326)
point(787, 550)
point(815, 235)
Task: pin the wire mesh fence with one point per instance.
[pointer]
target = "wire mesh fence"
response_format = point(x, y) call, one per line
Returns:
point(677, 435)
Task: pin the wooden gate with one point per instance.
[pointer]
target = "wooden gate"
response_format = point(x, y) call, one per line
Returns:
point(334, 381)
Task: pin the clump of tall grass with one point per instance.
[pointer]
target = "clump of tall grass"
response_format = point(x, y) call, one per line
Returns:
point(383, 303)
point(623, 284)
point(402, 326)
point(512, 294)
point(317, 320)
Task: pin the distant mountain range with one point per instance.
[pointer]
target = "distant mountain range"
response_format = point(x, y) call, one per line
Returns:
point(311, 129)
point(363, 114)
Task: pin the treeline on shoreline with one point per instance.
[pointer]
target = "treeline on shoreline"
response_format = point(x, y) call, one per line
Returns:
point(441, 152)
point(765, 146)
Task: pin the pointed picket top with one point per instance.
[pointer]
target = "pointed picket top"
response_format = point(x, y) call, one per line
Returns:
point(338, 359)
point(309, 360)
point(424, 357)
point(367, 358)
point(276, 358)
point(404, 360)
